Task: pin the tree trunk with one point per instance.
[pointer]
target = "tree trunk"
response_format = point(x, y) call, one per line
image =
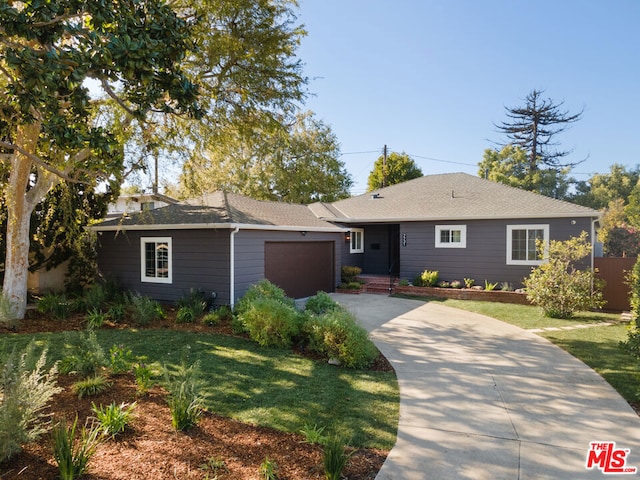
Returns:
point(21, 198)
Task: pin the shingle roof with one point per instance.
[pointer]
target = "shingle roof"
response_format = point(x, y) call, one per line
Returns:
point(452, 196)
point(221, 210)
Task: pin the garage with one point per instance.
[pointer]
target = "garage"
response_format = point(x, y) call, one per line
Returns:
point(301, 269)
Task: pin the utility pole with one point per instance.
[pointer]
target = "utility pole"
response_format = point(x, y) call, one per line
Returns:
point(384, 167)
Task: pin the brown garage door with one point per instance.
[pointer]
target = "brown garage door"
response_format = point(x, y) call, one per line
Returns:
point(301, 269)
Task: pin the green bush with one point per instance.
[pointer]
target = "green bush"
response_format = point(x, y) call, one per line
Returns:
point(113, 419)
point(91, 386)
point(337, 335)
point(218, 315)
point(185, 399)
point(56, 304)
point(95, 318)
point(429, 278)
point(270, 322)
point(144, 309)
point(262, 289)
point(190, 306)
point(93, 297)
point(632, 344)
point(83, 354)
point(25, 390)
point(142, 374)
point(72, 455)
point(121, 358)
point(349, 274)
point(558, 287)
point(335, 457)
point(320, 303)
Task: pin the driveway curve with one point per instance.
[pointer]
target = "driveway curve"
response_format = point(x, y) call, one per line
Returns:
point(482, 399)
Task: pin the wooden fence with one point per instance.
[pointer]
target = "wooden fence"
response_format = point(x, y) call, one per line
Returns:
point(614, 270)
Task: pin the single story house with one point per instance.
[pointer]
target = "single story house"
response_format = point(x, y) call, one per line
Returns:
point(458, 224)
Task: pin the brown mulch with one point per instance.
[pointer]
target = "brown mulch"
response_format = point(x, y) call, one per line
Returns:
point(152, 449)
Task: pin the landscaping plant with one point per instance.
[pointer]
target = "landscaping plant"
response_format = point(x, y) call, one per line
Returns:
point(113, 419)
point(558, 286)
point(268, 469)
point(190, 307)
point(144, 309)
point(185, 400)
point(25, 390)
point(83, 354)
point(72, 455)
point(632, 343)
point(335, 457)
point(142, 374)
point(270, 322)
point(91, 386)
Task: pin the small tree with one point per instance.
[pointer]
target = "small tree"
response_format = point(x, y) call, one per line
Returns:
point(559, 286)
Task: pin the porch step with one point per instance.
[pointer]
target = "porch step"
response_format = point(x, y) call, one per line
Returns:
point(380, 284)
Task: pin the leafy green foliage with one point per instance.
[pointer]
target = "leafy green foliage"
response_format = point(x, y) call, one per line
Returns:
point(190, 307)
point(337, 335)
point(335, 457)
point(56, 304)
point(320, 303)
point(398, 168)
point(185, 400)
point(121, 359)
point(313, 434)
point(490, 285)
point(268, 469)
point(262, 289)
point(349, 273)
point(632, 344)
point(559, 286)
point(72, 454)
point(270, 322)
point(428, 278)
point(143, 376)
point(95, 318)
point(113, 419)
point(91, 386)
point(83, 354)
point(25, 389)
point(144, 309)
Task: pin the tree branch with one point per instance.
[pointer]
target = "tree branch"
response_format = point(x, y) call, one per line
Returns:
point(41, 163)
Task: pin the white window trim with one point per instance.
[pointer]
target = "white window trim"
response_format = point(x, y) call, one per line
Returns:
point(143, 270)
point(463, 236)
point(361, 232)
point(511, 228)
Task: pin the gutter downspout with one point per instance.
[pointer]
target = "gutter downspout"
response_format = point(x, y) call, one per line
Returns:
point(232, 267)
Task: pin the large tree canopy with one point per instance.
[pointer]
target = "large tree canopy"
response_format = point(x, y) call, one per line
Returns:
point(510, 166)
point(395, 168)
point(603, 188)
point(47, 52)
point(534, 127)
point(299, 164)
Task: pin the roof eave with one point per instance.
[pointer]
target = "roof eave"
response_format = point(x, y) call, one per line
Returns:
point(216, 226)
point(595, 215)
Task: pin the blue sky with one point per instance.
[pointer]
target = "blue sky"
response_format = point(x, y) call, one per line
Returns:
point(430, 78)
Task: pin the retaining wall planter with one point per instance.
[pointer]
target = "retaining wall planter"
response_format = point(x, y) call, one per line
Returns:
point(465, 294)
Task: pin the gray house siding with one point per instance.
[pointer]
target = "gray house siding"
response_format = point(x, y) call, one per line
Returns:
point(484, 257)
point(200, 260)
point(250, 253)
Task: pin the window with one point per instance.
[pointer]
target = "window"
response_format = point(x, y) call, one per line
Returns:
point(521, 244)
point(451, 236)
point(156, 259)
point(357, 240)
point(146, 206)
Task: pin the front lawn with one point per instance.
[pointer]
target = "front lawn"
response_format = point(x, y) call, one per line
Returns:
point(269, 387)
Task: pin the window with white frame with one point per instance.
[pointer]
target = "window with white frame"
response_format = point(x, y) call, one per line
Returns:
point(451, 236)
point(357, 240)
point(155, 259)
point(522, 244)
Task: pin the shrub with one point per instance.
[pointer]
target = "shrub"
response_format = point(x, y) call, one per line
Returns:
point(506, 287)
point(313, 434)
point(91, 386)
point(120, 359)
point(71, 455)
point(320, 303)
point(144, 309)
point(83, 354)
point(220, 314)
point(456, 284)
point(190, 306)
point(350, 286)
point(93, 297)
point(490, 286)
point(142, 374)
point(185, 400)
point(558, 286)
point(268, 469)
point(444, 284)
point(95, 318)
point(337, 335)
point(261, 290)
point(429, 278)
point(117, 312)
point(113, 419)
point(403, 283)
point(632, 344)
point(25, 389)
point(349, 274)
point(335, 458)
point(55, 304)
point(271, 323)
point(469, 282)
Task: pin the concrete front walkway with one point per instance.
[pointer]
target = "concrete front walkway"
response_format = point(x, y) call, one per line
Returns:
point(481, 399)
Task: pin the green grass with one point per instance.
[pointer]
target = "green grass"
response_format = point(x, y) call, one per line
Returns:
point(269, 387)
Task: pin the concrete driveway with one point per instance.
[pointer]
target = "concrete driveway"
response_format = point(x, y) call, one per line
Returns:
point(482, 399)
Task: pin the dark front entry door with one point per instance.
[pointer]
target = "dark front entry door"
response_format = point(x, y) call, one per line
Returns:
point(301, 269)
point(394, 250)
